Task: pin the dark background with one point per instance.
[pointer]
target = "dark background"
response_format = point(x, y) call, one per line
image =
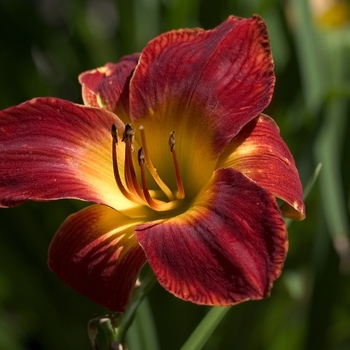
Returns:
point(45, 44)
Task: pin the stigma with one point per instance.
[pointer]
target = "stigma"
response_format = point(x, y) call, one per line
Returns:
point(128, 182)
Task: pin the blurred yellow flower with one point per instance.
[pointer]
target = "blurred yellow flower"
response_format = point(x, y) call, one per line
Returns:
point(330, 13)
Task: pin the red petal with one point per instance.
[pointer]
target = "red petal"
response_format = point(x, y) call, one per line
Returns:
point(53, 149)
point(220, 79)
point(95, 252)
point(108, 86)
point(228, 247)
point(259, 152)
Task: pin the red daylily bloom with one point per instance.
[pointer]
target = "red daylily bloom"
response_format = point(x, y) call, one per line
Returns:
point(183, 168)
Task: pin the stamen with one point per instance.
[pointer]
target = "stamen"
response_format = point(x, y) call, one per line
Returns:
point(118, 180)
point(153, 203)
point(132, 190)
point(152, 169)
point(180, 188)
point(129, 170)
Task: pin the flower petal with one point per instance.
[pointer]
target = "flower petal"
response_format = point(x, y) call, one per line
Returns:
point(95, 252)
point(228, 247)
point(259, 152)
point(108, 86)
point(210, 82)
point(52, 149)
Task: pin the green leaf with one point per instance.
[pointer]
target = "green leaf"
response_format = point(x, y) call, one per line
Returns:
point(312, 181)
point(310, 185)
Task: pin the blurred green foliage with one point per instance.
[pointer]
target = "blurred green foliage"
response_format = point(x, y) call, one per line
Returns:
point(45, 44)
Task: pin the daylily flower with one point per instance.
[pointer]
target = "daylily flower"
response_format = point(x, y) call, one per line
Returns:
point(183, 168)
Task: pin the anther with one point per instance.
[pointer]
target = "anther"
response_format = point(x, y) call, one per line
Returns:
point(171, 141)
point(141, 157)
point(128, 135)
point(115, 133)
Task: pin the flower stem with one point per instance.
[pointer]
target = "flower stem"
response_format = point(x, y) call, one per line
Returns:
point(204, 330)
point(140, 293)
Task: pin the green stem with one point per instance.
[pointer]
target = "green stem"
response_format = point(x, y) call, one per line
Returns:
point(141, 292)
point(142, 335)
point(204, 330)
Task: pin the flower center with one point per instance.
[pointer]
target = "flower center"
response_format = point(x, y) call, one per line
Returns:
point(131, 188)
